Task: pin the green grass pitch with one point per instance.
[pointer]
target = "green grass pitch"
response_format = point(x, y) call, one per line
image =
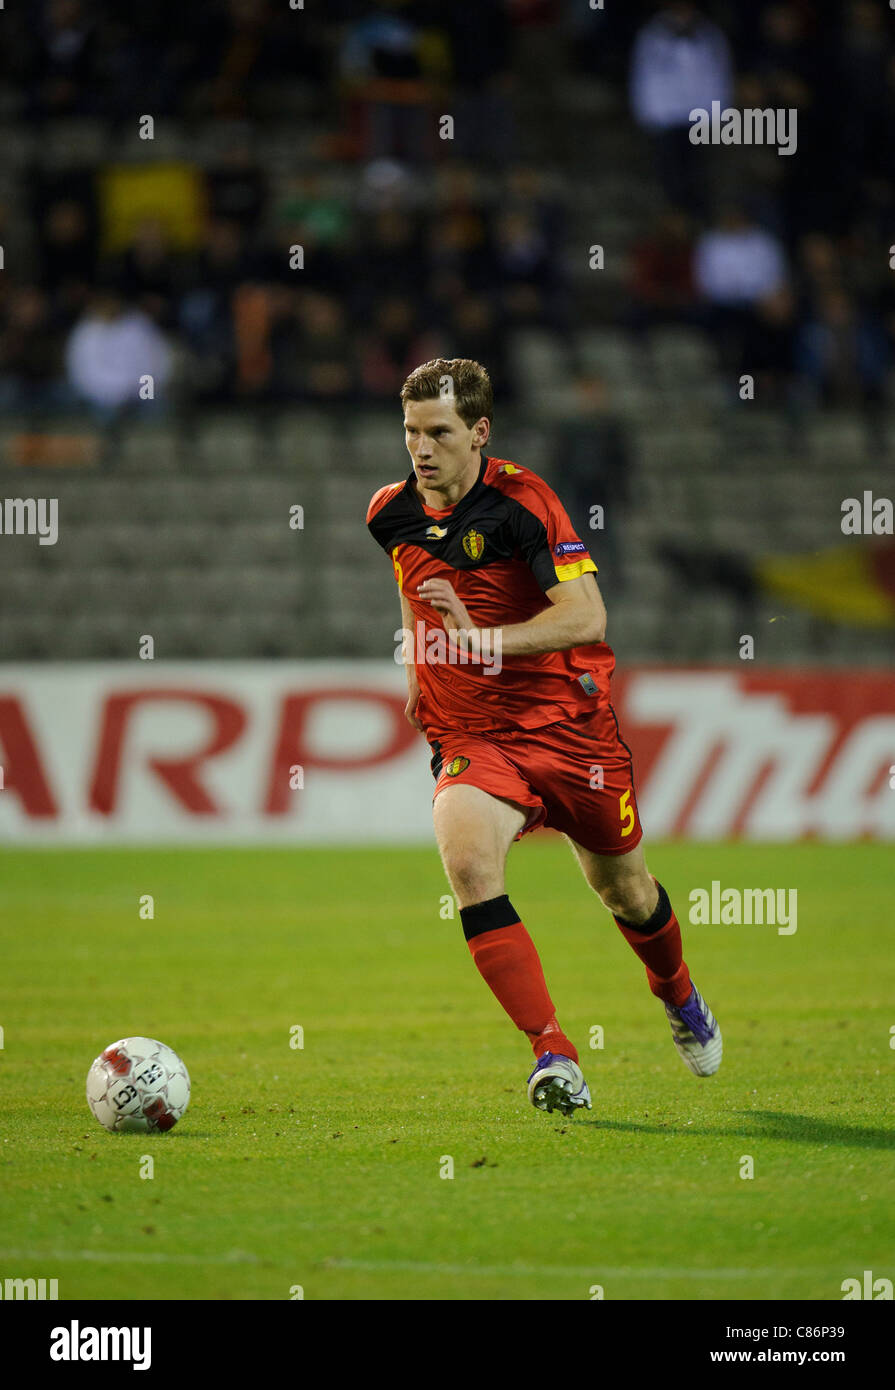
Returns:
point(321, 1166)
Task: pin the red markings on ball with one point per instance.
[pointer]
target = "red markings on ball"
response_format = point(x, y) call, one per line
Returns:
point(117, 1060)
point(156, 1113)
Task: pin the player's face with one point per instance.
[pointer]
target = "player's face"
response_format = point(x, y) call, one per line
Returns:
point(444, 450)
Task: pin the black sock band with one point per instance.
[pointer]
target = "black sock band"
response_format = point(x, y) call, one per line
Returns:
point(660, 918)
point(487, 916)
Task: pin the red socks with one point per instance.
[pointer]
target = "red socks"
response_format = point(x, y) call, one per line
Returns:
point(658, 944)
point(508, 962)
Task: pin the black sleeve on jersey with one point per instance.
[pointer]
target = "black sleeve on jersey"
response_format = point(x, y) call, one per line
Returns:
point(381, 529)
point(534, 545)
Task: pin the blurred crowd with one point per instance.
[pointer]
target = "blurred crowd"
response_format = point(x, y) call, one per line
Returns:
point(434, 247)
point(393, 284)
point(785, 266)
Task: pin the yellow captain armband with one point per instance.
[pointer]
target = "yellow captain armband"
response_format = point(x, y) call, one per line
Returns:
point(575, 570)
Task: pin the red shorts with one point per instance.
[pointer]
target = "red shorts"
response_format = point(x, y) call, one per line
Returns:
point(575, 777)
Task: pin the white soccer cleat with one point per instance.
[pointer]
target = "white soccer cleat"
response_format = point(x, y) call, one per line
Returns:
point(557, 1083)
point(696, 1034)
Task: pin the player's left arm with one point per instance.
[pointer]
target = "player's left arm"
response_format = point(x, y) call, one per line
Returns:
point(560, 563)
point(575, 615)
point(576, 618)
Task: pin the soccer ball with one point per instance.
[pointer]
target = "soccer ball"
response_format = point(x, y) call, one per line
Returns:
point(138, 1084)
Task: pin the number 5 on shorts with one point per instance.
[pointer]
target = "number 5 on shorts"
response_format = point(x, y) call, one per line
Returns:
point(626, 813)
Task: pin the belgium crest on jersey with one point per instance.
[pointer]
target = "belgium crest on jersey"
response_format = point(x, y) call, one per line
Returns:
point(456, 766)
point(474, 543)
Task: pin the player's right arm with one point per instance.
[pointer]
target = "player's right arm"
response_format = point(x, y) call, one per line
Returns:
point(413, 685)
point(377, 502)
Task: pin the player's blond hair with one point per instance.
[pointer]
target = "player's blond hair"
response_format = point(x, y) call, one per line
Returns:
point(464, 384)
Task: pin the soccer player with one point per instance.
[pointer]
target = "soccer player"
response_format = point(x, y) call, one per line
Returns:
point(508, 675)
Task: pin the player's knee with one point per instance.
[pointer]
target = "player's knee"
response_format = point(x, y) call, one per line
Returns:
point(476, 888)
point(472, 880)
point(633, 902)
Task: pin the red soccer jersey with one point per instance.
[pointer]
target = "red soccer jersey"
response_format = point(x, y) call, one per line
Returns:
point(502, 546)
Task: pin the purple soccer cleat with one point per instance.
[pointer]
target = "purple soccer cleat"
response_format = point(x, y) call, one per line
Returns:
point(696, 1034)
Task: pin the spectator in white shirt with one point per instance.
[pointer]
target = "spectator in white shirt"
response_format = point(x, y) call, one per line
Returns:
point(737, 262)
point(111, 353)
point(740, 273)
point(680, 61)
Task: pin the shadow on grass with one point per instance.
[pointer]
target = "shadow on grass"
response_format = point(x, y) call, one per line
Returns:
point(767, 1124)
point(171, 1136)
